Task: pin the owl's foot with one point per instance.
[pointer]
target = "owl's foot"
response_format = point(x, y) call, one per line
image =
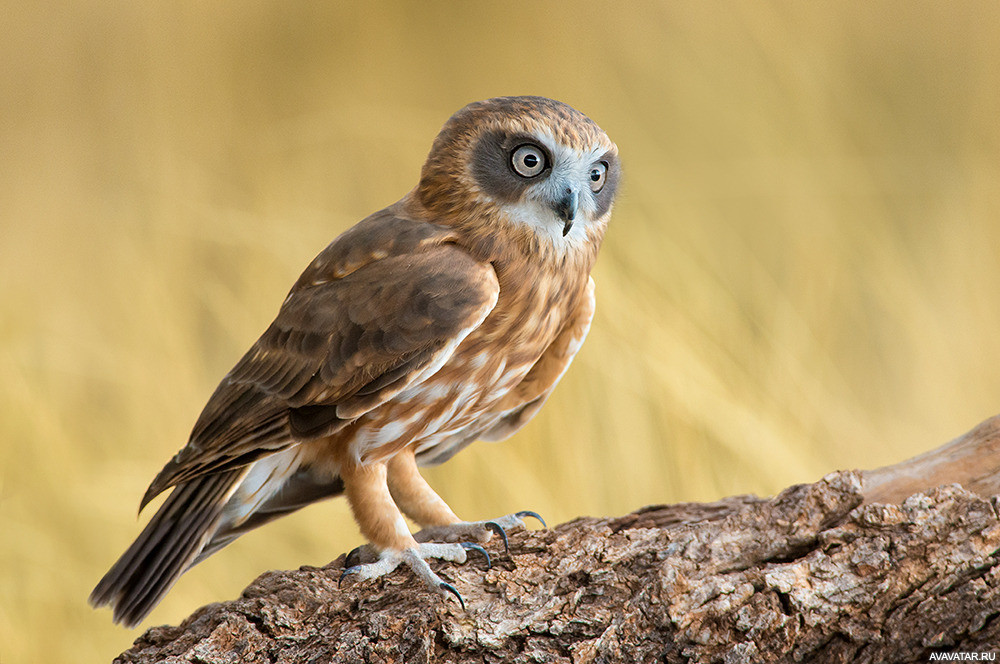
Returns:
point(464, 531)
point(416, 559)
point(478, 531)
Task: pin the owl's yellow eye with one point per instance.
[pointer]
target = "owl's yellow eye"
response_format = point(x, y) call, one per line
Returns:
point(598, 173)
point(528, 160)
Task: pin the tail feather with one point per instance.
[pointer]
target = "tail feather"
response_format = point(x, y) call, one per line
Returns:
point(200, 517)
point(170, 543)
point(169, 562)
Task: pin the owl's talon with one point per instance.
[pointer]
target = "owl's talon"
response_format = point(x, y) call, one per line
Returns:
point(498, 529)
point(469, 546)
point(348, 570)
point(533, 515)
point(480, 531)
point(447, 587)
point(352, 558)
point(416, 559)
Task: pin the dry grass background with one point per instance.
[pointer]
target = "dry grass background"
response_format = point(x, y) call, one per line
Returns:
point(802, 273)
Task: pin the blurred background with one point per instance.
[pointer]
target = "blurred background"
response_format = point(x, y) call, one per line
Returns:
point(801, 274)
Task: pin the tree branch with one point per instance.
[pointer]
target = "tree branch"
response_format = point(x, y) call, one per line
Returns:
point(885, 565)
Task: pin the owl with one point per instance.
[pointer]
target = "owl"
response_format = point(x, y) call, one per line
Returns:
point(445, 318)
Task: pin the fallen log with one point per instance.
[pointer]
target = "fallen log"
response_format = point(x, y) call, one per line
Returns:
point(897, 564)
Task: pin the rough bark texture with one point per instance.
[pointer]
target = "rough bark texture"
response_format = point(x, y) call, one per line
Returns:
point(877, 566)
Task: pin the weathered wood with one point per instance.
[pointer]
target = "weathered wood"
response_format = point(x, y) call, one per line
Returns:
point(879, 566)
point(972, 460)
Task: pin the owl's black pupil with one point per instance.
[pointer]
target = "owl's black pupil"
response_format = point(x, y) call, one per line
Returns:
point(595, 175)
point(530, 160)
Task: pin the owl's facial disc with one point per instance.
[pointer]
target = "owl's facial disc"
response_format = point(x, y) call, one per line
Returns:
point(540, 182)
point(530, 161)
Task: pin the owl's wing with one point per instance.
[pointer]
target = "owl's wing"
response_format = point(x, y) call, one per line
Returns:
point(527, 397)
point(382, 308)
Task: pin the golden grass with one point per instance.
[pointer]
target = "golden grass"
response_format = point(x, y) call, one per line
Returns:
point(802, 273)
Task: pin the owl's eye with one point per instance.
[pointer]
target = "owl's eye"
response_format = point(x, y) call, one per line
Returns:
point(528, 160)
point(598, 173)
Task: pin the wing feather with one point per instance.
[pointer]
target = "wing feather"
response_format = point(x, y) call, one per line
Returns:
point(383, 306)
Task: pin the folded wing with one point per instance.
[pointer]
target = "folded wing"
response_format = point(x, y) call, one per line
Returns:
point(382, 308)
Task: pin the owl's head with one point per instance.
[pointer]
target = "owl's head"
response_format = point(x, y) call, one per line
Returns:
point(532, 162)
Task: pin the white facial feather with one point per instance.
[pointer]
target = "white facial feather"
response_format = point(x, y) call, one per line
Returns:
point(570, 170)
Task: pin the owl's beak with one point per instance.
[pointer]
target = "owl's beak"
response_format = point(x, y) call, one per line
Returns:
point(566, 208)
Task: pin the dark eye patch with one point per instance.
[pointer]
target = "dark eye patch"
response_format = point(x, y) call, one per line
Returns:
point(606, 195)
point(491, 166)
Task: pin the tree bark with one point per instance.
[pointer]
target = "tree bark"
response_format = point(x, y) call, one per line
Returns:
point(889, 565)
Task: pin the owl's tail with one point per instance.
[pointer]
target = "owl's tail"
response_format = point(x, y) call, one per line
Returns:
point(200, 517)
point(168, 545)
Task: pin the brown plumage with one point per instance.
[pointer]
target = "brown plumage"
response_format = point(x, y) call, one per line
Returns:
point(444, 318)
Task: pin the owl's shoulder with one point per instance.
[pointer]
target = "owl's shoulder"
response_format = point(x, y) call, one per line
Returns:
point(387, 233)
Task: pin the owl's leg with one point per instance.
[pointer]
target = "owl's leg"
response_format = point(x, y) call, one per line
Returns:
point(419, 501)
point(414, 496)
point(382, 523)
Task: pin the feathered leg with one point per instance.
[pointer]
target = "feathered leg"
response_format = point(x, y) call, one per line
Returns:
point(410, 491)
point(420, 502)
point(382, 523)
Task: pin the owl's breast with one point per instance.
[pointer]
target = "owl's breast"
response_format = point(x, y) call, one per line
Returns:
point(458, 401)
point(457, 398)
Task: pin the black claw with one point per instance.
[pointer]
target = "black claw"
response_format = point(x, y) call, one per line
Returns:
point(533, 515)
point(450, 588)
point(353, 558)
point(347, 570)
point(469, 546)
point(498, 529)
